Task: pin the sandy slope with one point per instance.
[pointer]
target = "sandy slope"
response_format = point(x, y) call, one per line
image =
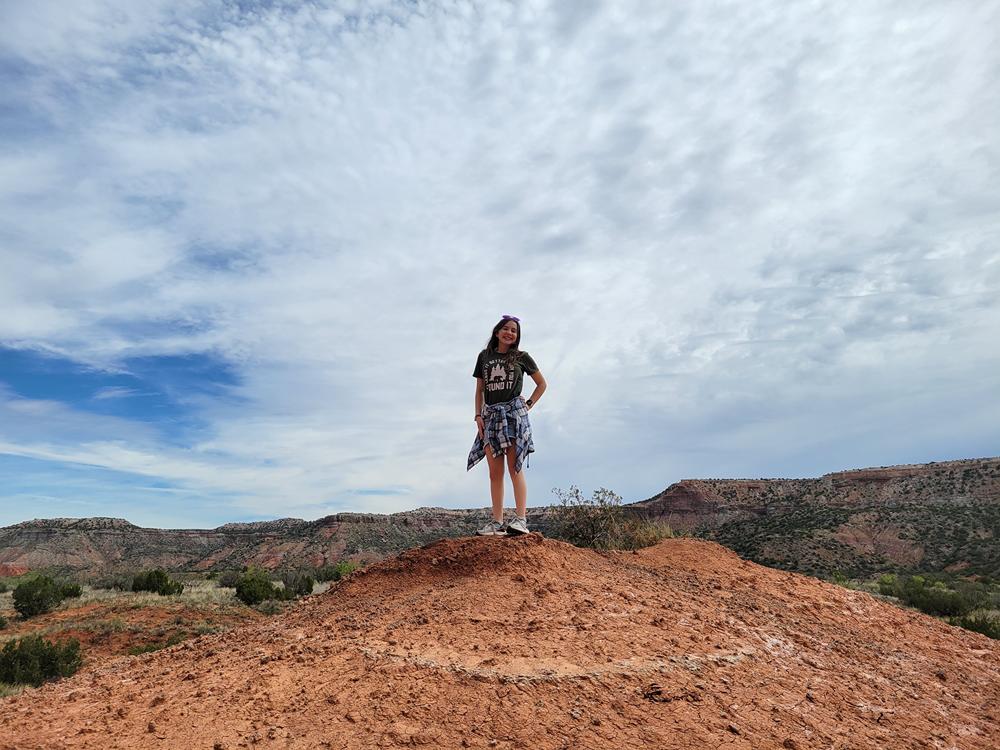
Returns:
point(531, 643)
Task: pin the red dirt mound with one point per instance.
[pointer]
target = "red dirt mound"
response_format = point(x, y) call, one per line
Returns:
point(531, 643)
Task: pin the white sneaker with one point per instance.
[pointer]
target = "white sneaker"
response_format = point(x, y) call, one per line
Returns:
point(493, 528)
point(517, 526)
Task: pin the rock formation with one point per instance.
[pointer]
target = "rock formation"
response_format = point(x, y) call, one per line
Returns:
point(928, 517)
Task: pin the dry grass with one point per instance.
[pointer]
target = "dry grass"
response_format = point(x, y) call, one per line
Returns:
point(198, 594)
point(195, 594)
point(8, 689)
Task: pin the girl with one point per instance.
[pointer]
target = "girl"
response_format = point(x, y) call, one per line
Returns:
point(504, 431)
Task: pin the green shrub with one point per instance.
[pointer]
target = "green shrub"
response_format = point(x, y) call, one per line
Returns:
point(70, 590)
point(156, 581)
point(935, 598)
point(981, 622)
point(336, 572)
point(227, 579)
point(296, 585)
point(4, 588)
point(3, 622)
point(602, 522)
point(32, 660)
point(254, 586)
point(887, 584)
point(37, 596)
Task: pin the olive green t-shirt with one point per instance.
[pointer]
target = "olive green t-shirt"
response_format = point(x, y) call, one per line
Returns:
point(503, 379)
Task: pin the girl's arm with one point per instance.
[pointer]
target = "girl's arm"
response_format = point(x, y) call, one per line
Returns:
point(540, 386)
point(479, 405)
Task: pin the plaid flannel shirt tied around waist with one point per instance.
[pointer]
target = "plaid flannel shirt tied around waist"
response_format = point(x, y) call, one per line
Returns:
point(506, 424)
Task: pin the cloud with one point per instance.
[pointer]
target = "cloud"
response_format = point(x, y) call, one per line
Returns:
point(743, 238)
point(111, 392)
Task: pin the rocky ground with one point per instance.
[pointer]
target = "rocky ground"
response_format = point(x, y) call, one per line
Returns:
point(531, 643)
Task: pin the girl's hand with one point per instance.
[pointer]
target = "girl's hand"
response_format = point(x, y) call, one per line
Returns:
point(479, 426)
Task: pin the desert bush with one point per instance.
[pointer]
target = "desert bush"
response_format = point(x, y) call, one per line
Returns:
point(254, 586)
point(37, 596)
point(4, 588)
point(938, 600)
point(114, 582)
point(227, 579)
point(297, 584)
point(335, 572)
point(976, 593)
point(269, 607)
point(934, 597)
point(3, 622)
point(70, 590)
point(601, 522)
point(981, 622)
point(156, 581)
point(887, 584)
point(32, 660)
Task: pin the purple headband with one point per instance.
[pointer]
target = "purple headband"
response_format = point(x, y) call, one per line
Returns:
point(511, 317)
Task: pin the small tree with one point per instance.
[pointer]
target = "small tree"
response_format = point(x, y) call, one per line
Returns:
point(297, 584)
point(888, 584)
point(158, 582)
point(336, 572)
point(70, 590)
point(254, 586)
point(32, 660)
point(37, 596)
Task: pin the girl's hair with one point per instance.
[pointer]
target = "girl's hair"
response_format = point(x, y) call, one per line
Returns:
point(494, 342)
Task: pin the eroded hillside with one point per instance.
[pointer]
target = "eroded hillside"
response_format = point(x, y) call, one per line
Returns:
point(925, 517)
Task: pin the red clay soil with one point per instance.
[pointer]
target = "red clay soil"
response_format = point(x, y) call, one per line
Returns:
point(531, 643)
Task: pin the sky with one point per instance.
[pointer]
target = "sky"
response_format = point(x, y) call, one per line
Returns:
point(249, 252)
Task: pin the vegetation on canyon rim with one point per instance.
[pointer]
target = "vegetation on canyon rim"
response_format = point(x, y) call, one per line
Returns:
point(601, 522)
point(973, 605)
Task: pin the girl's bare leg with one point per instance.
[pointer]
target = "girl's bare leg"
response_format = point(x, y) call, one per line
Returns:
point(519, 482)
point(496, 483)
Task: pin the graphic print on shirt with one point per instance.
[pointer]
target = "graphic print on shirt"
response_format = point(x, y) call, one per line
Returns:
point(500, 376)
